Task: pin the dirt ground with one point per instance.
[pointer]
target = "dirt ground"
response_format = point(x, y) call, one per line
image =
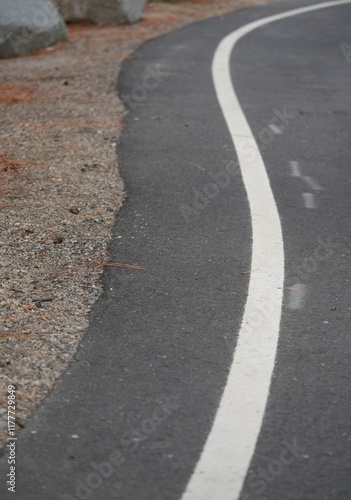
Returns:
point(60, 191)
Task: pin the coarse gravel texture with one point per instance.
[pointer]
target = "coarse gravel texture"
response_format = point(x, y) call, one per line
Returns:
point(60, 189)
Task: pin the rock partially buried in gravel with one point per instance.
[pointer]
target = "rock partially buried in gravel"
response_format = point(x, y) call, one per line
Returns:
point(102, 11)
point(28, 25)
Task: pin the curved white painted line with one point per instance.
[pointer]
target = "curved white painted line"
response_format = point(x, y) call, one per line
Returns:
point(223, 465)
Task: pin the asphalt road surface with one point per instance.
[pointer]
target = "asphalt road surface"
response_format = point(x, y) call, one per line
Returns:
point(140, 414)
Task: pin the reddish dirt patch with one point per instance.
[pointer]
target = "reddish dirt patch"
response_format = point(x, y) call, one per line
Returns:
point(12, 94)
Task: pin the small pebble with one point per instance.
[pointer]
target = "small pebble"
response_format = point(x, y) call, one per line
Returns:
point(58, 240)
point(42, 299)
point(74, 210)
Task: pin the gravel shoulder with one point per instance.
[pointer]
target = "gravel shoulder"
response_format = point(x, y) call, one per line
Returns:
point(60, 190)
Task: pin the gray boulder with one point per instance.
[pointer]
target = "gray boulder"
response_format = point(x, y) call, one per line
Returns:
point(28, 25)
point(102, 11)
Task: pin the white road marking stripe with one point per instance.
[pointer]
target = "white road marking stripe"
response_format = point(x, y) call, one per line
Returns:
point(297, 297)
point(295, 169)
point(225, 459)
point(277, 130)
point(312, 183)
point(308, 200)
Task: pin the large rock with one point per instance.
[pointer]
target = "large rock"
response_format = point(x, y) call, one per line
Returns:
point(102, 11)
point(28, 25)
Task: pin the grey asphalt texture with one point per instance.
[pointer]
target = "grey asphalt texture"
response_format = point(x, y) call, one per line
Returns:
point(142, 392)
